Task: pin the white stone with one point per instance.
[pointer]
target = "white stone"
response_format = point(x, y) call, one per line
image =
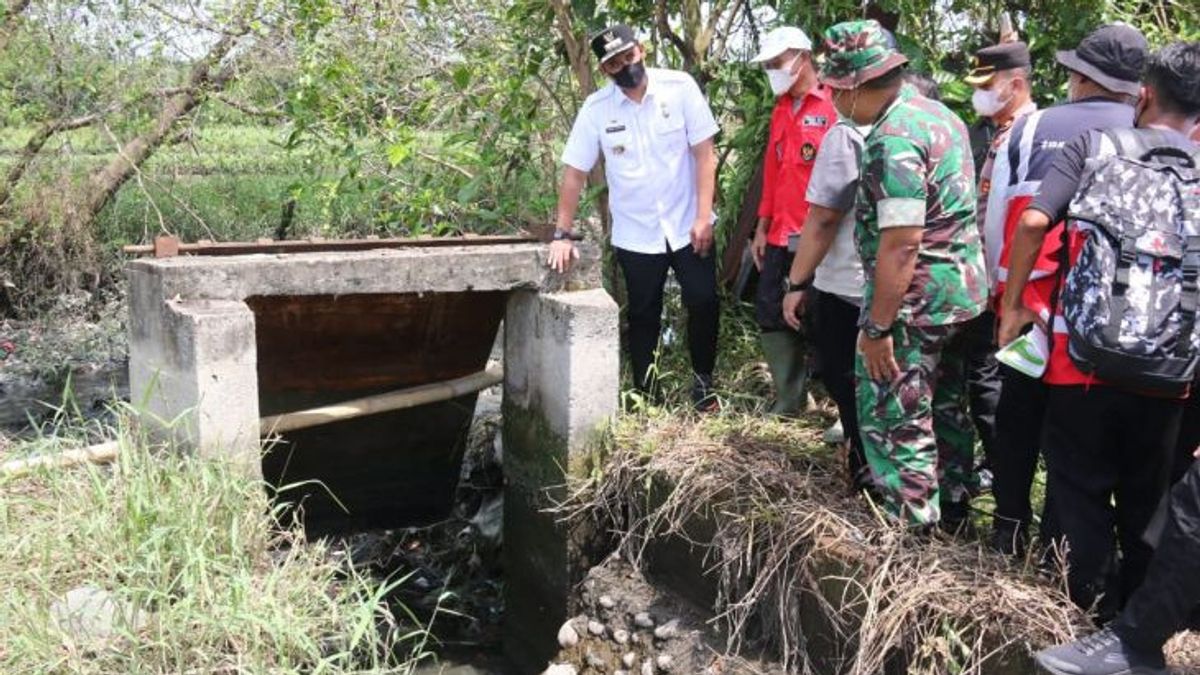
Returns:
point(664, 662)
point(667, 630)
point(607, 602)
point(89, 617)
point(643, 620)
point(567, 637)
point(561, 669)
point(620, 636)
point(629, 659)
point(596, 628)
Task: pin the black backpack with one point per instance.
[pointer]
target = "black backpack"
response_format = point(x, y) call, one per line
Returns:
point(1130, 300)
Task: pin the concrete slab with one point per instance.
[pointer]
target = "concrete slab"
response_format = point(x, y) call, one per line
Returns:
point(418, 270)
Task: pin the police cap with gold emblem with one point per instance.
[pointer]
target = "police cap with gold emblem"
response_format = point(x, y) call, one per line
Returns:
point(612, 41)
point(991, 60)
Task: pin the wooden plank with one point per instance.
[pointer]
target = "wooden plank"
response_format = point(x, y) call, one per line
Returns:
point(163, 248)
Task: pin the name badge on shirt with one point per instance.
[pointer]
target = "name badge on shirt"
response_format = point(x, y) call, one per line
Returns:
point(815, 121)
point(614, 129)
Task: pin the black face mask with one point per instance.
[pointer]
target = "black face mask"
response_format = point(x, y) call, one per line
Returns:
point(630, 76)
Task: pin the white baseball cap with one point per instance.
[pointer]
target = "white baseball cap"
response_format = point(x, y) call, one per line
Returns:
point(780, 40)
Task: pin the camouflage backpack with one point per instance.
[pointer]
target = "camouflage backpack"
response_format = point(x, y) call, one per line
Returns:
point(1131, 298)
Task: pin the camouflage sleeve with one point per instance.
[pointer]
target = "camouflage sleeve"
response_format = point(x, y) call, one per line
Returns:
point(896, 181)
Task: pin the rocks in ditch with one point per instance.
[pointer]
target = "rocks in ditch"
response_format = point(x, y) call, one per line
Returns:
point(643, 620)
point(596, 628)
point(629, 659)
point(620, 636)
point(561, 669)
point(667, 631)
point(664, 662)
point(567, 636)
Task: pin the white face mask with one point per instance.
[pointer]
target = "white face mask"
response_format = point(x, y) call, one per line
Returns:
point(783, 78)
point(987, 102)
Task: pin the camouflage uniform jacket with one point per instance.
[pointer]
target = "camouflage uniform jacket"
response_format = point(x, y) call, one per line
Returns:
point(917, 168)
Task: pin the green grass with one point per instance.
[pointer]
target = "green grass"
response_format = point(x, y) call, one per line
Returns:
point(193, 546)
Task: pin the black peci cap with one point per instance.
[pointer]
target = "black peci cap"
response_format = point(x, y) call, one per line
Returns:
point(1112, 56)
point(991, 60)
point(612, 41)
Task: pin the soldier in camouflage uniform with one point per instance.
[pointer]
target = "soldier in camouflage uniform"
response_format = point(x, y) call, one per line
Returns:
point(923, 258)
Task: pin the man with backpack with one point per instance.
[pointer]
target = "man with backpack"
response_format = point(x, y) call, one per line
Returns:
point(1160, 607)
point(1103, 77)
point(1126, 339)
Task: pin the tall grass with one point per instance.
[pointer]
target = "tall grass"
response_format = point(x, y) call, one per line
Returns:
point(195, 550)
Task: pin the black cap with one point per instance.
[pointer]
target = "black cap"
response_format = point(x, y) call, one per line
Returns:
point(612, 41)
point(991, 60)
point(1112, 56)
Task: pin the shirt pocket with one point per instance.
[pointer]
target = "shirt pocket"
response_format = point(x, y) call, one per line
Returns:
point(806, 143)
point(620, 148)
point(670, 130)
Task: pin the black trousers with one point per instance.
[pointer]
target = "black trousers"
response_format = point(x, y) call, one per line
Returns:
point(1189, 436)
point(983, 379)
point(835, 337)
point(1171, 592)
point(768, 296)
point(645, 277)
point(1108, 455)
point(1014, 459)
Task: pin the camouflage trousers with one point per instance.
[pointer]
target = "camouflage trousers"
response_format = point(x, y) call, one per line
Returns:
point(916, 431)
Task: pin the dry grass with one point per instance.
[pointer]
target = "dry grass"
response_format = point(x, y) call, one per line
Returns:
point(787, 535)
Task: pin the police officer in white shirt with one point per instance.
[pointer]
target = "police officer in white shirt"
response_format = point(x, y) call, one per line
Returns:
point(656, 131)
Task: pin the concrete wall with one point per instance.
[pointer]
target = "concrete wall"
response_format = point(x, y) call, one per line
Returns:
point(192, 360)
point(561, 389)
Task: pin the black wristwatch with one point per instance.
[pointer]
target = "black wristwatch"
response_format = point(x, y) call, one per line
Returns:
point(873, 330)
point(789, 287)
point(565, 235)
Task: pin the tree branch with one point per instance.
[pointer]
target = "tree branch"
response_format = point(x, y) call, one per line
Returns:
point(8, 20)
point(664, 28)
point(247, 108)
point(203, 80)
point(44, 133)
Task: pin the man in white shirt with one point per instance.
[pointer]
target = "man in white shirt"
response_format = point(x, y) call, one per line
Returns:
point(655, 130)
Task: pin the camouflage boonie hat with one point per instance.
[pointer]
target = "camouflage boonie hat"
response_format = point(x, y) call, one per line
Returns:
point(855, 52)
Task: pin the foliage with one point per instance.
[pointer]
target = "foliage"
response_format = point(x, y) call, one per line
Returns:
point(403, 116)
point(194, 547)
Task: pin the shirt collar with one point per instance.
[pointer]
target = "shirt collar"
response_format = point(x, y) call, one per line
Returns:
point(651, 87)
point(906, 94)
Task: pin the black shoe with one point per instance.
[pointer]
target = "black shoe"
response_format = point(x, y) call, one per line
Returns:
point(704, 397)
point(1100, 653)
point(956, 520)
point(1009, 537)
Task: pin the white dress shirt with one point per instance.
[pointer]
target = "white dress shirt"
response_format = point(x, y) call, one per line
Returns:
point(647, 157)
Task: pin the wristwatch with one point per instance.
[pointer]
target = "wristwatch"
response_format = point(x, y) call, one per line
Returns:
point(566, 235)
point(873, 330)
point(789, 287)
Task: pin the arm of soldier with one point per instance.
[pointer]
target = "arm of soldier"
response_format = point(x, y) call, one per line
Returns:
point(894, 177)
point(819, 232)
point(894, 268)
point(1049, 206)
point(579, 156)
point(706, 179)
